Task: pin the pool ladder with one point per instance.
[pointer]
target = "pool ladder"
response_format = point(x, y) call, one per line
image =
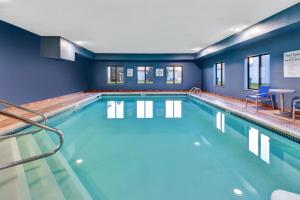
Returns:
point(41, 126)
point(195, 90)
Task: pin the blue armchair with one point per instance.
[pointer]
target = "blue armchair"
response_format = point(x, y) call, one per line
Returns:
point(296, 107)
point(262, 95)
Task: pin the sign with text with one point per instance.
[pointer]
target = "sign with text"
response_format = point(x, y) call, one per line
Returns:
point(292, 64)
point(159, 72)
point(130, 72)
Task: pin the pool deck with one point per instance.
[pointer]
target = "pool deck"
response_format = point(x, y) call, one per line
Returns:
point(56, 105)
point(48, 107)
point(263, 116)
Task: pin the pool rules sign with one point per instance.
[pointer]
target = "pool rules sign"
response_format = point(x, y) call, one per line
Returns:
point(292, 64)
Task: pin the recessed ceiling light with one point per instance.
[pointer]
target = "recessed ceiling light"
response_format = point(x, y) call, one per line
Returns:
point(5, 1)
point(196, 49)
point(210, 50)
point(78, 42)
point(254, 30)
point(238, 192)
point(79, 161)
point(238, 28)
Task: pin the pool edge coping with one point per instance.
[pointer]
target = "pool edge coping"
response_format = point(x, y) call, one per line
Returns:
point(76, 105)
point(277, 129)
point(291, 134)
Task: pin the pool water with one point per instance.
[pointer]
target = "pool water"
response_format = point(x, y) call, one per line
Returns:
point(175, 148)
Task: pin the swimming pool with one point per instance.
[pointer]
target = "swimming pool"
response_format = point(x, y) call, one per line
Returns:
point(175, 147)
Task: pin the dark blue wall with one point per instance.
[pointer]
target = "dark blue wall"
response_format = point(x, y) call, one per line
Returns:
point(25, 76)
point(275, 43)
point(98, 79)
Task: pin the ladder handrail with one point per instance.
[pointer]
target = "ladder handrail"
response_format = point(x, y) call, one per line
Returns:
point(41, 127)
point(192, 89)
point(195, 90)
point(45, 119)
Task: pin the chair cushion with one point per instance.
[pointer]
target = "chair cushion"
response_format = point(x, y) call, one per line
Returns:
point(264, 89)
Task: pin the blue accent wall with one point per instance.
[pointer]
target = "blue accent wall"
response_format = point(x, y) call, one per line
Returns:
point(25, 76)
point(275, 43)
point(98, 76)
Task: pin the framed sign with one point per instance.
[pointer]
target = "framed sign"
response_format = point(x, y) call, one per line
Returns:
point(130, 72)
point(159, 72)
point(291, 64)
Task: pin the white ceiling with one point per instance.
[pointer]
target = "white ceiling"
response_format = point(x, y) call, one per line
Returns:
point(139, 26)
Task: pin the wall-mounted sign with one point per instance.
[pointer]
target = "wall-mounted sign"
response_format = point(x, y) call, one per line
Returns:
point(292, 64)
point(159, 72)
point(129, 72)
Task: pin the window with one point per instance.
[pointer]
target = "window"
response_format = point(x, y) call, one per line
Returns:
point(144, 109)
point(219, 74)
point(144, 75)
point(174, 74)
point(115, 75)
point(173, 109)
point(258, 68)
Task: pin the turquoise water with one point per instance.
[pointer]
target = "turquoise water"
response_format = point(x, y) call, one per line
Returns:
point(173, 148)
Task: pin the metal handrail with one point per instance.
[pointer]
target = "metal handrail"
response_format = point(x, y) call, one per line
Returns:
point(195, 90)
point(41, 127)
point(44, 121)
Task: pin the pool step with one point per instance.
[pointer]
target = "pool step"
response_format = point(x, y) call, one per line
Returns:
point(13, 183)
point(42, 183)
point(64, 174)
